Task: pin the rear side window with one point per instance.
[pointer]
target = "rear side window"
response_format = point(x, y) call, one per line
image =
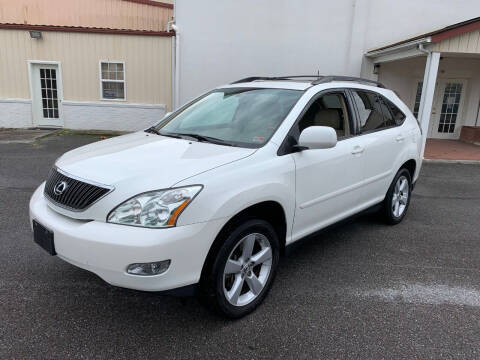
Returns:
point(369, 110)
point(387, 115)
point(398, 115)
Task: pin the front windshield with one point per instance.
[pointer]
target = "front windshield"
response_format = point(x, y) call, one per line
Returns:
point(245, 117)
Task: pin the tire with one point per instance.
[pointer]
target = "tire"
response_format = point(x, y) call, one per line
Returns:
point(238, 293)
point(398, 197)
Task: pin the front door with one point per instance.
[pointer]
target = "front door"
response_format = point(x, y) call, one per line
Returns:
point(446, 119)
point(327, 180)
point(46, 95)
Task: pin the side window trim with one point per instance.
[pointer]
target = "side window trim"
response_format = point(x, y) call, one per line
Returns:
point(285, 147)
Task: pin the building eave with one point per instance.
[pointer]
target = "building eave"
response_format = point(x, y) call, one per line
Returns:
point(85, 30)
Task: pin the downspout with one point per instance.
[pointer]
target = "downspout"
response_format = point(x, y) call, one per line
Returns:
point(175, 59)
point(169, 24)
point(422, 49)
point(175, 64)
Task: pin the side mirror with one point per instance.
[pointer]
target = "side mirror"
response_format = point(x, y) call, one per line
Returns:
point(317, 137)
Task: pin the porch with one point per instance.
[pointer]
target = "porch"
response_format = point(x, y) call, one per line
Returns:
point(443, 149)
point(438, 76)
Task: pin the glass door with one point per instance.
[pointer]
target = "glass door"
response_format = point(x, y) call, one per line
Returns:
point(446, 118)
point(46, 95)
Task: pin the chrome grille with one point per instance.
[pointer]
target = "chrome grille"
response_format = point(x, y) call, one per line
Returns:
point(77, 195)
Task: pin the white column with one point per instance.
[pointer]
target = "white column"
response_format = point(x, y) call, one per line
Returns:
point(428, 90)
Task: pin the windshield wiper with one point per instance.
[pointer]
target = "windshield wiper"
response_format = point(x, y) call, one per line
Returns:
point(152, 130)
point(204, 138)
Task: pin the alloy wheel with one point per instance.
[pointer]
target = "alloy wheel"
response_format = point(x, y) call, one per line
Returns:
point(247, 269)
point(400, 196)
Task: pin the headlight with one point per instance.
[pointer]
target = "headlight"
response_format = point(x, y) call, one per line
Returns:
point(155, 209)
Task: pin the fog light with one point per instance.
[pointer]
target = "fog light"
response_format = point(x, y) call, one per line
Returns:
point(148, 269)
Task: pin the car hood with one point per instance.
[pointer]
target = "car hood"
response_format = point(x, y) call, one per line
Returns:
point(146, 161)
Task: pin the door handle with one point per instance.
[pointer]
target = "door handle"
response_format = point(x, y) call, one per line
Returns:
point(358, 150)
point(399, 138)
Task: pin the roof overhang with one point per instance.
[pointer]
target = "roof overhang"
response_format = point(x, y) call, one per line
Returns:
point(400, 51)
point(415, 46)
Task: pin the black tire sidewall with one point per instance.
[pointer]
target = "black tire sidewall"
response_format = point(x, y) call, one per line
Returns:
point(232, 239)
point(390, 217)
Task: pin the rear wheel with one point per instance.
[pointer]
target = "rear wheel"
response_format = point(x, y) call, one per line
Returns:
point(243, 270)
point(396, 201)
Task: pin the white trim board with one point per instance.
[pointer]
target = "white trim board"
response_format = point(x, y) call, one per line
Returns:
point(23, 101)
point(114, 104)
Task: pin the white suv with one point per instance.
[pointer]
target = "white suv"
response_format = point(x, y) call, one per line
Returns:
point(209, 198)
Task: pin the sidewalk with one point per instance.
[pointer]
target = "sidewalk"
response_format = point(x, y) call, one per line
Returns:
point(22, 135)
point(439, 149)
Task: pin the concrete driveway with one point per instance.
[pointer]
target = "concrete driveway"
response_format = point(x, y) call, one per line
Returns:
point(361, 290)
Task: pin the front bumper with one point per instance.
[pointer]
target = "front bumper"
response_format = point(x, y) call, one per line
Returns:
point(107, 249)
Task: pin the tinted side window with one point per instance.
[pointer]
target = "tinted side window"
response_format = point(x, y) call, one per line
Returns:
point(370, 113)
point(387, 115)
point(398, 115)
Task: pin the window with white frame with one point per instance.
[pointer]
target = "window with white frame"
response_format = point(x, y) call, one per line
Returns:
point(112, 80)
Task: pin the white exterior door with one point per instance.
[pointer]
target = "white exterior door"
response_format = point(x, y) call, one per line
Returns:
point(46, 87)
point(446, 119)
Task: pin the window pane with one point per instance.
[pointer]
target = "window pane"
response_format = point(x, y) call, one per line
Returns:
point(329, 110)
point(104, 67)
point(119, 75)
point(368, 106)
point(239, 115)
point(387, 115)
point(113, 90)
point(398, 115)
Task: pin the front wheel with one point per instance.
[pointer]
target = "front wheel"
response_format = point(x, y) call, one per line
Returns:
point(396, 201)
point(244, 268)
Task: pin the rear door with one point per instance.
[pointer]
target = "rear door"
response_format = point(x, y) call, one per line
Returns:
point(381, 139)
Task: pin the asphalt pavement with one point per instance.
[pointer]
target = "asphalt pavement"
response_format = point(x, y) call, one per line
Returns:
point(360, 290)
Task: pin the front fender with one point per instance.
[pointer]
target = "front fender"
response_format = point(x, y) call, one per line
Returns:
point(234, 187)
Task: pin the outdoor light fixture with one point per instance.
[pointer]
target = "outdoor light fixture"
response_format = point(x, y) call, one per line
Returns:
point(35, 34)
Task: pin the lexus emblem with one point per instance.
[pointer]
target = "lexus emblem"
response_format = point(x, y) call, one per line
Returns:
point(60, 188)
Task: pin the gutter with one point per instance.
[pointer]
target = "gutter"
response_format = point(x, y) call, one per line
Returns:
point(419, 43)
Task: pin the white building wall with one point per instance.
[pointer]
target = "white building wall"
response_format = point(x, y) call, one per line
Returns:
point(106, 116)
point(15, 113)
point(226, 40)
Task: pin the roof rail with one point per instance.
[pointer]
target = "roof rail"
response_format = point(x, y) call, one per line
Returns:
point(272, 78)
point(251, 78)
point(330, 78)
point(318, 79)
